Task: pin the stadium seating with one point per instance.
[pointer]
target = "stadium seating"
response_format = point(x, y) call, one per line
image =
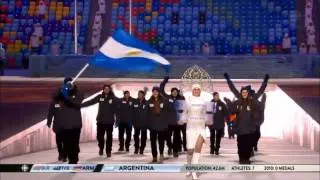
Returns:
point(17, 19)
point(230, 27)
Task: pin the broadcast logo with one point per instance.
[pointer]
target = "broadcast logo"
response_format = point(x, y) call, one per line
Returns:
point(24, 168)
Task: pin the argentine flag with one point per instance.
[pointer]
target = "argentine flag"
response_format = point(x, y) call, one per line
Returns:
point(123, 52)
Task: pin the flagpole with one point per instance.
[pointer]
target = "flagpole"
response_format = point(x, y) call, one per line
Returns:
point(130, 16)
point(75, 28)
point(80, 72)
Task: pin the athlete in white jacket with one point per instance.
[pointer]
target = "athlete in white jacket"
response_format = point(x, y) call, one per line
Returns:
point(196, 116)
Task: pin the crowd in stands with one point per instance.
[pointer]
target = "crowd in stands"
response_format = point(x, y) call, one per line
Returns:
point(311, 46)
point(173, 27)
point(41, 27)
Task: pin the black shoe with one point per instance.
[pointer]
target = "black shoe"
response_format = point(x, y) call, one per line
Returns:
point(141, 151)
point(255, 148)
point(252, 153)
point(246, 162)
point(100, 152)
point(108, 154)
point(120, 149)
point(241, 161)
point(211, 151)
point(64, 159)
point(154, 160)
point(217, 152)
point(175, 155)
point(59, 158)
point(169, 151)
point(127, 150)
point(136, 151)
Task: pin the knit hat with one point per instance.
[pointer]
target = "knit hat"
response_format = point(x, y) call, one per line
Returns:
point(248, 88)
point(174, 89)
point(156, 88)
point(196, 86)
point(67, 79)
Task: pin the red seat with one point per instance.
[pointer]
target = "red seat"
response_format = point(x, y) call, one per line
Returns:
point(256, 49)
point(9, 21)
point(3, 8)
point(141, 9)
point(18, 4)
point(162, 10)
point(4, 40)
point(135, 13)
point(11, 62)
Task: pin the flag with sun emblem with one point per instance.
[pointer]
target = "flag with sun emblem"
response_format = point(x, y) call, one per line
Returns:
point(123, 52)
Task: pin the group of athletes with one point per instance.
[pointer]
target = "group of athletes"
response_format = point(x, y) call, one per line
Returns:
point(170, 118)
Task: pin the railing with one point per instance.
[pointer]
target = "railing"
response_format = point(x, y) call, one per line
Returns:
point(244, 67)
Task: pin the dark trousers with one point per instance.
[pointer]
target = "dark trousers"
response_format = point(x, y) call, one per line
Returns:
point(160, 136)
point(215, 138)
point(183, 129)
point(257, 136)
point(174, 130)
point(72, 137)
point(61, 144)
point(103, 129)
point(137, 132)
point(244, 143)
point(230, 131)
point(125, 128)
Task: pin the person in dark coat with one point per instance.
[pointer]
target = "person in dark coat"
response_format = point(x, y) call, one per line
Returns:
point(140, 122)
point(251, 92)
point(174, 128)
point(158, 107)
point(71, 119)
point(105, 117)
point(56, 112)
point(124, 120)
point(248, 113)
point(220, 116)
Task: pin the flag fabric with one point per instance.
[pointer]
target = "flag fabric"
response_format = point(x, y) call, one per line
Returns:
point(123, 52)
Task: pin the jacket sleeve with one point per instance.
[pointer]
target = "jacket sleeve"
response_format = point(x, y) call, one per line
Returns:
point(162, 88)
point(184, 115)
point(50, 114)
point(263, 101)
point(91, 102)
point(262, 107)
point(76, 103)
point(226, 113)
point(257, 113)
point(233, 89)
point(262, 87)
point(117, 103)
point(231, 106)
